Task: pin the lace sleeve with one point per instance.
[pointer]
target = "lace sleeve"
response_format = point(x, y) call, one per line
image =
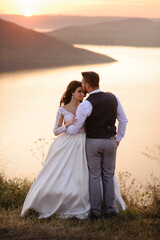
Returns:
point(58, 128)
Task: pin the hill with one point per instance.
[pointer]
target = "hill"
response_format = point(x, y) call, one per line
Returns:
point(52, 22)
point(22, 48)
point(127, 32)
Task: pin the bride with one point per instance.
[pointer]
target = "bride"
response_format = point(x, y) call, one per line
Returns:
point(62, 186)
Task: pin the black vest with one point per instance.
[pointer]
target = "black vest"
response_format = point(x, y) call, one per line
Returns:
point(101, 122)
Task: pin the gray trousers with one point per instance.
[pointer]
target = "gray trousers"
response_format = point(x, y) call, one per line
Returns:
point(101, 156)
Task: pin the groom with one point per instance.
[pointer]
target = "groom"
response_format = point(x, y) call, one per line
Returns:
point(99, 113)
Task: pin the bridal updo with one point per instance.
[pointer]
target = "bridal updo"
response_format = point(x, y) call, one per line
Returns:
point(67, 95)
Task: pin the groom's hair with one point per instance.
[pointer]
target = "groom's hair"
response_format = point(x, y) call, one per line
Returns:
point(92, 78)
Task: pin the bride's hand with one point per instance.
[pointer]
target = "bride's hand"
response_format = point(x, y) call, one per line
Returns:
point(71, 122)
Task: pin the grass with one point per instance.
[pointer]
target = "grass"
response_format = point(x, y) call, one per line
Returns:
point(130, 224)
point(140, 221)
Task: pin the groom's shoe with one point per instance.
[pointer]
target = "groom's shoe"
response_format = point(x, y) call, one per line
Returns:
point(94, 216)
point(110, 215)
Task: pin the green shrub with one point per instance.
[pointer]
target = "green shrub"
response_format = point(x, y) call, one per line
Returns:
point(12, 192)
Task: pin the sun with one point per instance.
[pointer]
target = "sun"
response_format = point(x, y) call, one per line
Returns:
point(27, 13)
point(27, 7)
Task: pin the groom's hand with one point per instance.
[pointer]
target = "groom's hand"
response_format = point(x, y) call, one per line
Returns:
point(117, 144)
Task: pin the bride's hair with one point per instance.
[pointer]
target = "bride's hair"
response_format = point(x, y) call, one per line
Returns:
point(67, 95)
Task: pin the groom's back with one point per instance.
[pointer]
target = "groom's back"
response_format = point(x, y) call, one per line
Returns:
point(101, 122)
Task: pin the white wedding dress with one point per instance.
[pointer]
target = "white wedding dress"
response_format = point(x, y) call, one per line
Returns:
point(62, 186)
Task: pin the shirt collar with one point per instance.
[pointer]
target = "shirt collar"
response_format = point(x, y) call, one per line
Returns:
point(95, 91)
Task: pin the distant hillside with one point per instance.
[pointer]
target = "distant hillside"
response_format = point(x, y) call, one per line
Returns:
point(128, 32)
point(45, 22)
point(22, 48)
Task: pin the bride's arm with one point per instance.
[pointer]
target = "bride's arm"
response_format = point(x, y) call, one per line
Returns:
point(59, 127)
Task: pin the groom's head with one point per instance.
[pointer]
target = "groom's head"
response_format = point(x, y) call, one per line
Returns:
point(90, 81)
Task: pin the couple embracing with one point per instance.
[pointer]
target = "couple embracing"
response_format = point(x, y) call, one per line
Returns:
point(78, 176)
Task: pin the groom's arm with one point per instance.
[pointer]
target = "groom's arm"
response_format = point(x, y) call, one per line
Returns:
point(83, 111)
point(122, 122)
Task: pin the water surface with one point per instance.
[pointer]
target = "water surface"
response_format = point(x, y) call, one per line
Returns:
point(29, 101)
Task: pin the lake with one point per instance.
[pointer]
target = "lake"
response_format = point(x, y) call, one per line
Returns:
point(29, 101)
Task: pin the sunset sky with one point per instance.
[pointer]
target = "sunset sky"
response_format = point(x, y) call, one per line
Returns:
point(126, 8)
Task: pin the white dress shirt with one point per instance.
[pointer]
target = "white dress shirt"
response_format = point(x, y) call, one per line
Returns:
point(84, 110)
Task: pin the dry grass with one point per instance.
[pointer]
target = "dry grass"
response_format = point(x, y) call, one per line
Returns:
point(140, 221)
point(128, 225)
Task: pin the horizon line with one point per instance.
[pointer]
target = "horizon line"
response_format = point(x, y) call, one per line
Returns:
point(70, 15)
